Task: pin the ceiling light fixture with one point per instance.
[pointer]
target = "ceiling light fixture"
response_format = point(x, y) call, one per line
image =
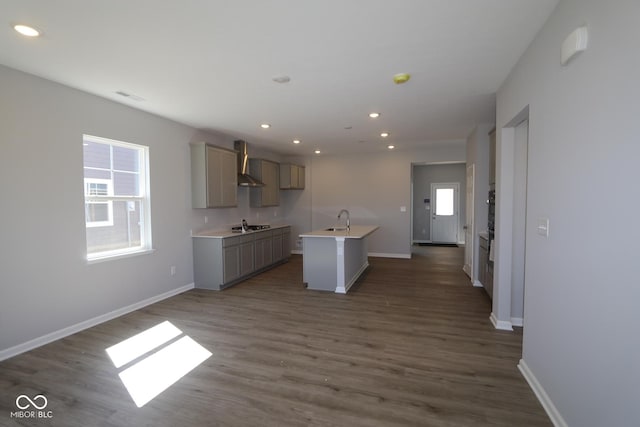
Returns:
point(296, 141)
point(26, 30)
point(391, 147)
point(265, 126)
point(317, 151)
point(374, 115)
point(384, 134)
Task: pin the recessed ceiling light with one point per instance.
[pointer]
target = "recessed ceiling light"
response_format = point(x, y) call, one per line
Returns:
point(265, 126)
point(296, 141)
point(391, 147)
point(374, 115)
point(317, 151)
point(26, 30)
point(384, 134)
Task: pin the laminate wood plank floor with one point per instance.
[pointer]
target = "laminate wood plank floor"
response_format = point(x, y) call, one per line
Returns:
point(410, 345)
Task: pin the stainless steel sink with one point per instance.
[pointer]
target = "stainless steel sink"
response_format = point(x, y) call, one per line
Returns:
point(336, 229)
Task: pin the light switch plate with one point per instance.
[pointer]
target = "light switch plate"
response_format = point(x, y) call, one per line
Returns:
point(403, 208)
point(543, 227)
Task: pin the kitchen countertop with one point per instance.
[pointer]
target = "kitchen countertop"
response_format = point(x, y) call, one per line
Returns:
point(356, 232)
point(221, 234)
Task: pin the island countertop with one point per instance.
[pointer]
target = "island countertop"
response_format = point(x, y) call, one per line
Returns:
point(355, 232)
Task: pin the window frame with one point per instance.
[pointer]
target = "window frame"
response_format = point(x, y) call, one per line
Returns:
point(144, 199)
point(96, 199)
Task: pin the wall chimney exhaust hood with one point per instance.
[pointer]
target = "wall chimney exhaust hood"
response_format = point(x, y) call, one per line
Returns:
point(244, 179)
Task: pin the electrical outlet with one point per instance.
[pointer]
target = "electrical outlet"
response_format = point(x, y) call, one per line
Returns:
point(206, 219)
point(173, 270)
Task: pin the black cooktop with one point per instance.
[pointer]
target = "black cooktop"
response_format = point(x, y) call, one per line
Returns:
point(252, 227)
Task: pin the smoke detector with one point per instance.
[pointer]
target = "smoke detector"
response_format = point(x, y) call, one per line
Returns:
point(401, 78)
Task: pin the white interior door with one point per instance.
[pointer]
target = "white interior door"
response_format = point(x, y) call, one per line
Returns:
point(468, 227)
point(444, 214)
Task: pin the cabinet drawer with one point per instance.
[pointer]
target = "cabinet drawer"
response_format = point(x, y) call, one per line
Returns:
point(264, 234)
point(237, 240)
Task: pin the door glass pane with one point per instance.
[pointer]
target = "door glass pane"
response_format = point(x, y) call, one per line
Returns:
point(444, 201)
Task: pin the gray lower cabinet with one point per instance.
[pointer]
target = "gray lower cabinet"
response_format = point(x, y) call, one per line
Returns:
point(222, 262)
point(263, 250)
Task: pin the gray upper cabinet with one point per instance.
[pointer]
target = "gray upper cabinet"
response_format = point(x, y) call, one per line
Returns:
point(291, 177)
point(214, 176)
point(267, 172)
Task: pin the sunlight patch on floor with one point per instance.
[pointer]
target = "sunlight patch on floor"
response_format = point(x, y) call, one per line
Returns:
point(151, 375)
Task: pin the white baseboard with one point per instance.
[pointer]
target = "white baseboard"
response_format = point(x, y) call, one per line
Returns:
point(388, 255)
point(477, 284)
point(517, 321)
point(65, 332)
point(502, 325)
point(371, 254)
point(542, 395)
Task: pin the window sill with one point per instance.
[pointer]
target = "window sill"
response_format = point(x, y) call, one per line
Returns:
point(110, 257)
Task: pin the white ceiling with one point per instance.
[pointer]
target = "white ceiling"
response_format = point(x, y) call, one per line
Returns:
point(210, 63)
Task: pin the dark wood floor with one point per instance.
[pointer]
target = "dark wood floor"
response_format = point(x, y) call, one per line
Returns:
point(410, 345)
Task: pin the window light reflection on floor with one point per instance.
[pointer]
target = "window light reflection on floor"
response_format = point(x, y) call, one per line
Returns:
point(150, 376)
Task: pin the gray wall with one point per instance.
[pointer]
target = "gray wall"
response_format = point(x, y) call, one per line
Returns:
point(373, 187)
point(423, 177)
point(45, 283)
point(581, 294)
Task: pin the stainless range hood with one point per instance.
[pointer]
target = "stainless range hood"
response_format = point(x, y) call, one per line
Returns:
point(244, 179)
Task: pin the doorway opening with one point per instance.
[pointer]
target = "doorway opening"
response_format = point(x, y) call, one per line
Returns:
point(444, 212)
point(511, 225)
point(423, 203)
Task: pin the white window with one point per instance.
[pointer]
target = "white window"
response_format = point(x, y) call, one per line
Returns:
point(98, 213)
point(444, 201)
point(116, 197)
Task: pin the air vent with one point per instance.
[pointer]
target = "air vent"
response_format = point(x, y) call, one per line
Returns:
point(130, 96)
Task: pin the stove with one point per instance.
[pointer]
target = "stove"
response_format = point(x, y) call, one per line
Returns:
point(252, 227)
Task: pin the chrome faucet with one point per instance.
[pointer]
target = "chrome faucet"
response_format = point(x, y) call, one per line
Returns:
point(348, 218)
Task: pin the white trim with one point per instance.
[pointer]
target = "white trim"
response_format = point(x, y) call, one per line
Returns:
point(517, 321)
point(542, 395)
point(389, 255)
point(502, 325)
point(341, 287)
point(118, 255)
point(371, 254)
point(69, 330)
point(345, 288)
point(477, 284)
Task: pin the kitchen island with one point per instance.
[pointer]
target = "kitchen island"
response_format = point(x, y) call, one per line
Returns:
point(334, 258)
